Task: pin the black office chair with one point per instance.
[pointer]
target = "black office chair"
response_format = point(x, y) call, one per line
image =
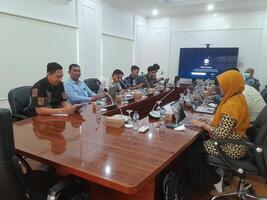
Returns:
point(93, 84)
point(259, 121)
point(19, 99)
point(176, 78)
point(19, 182)
point(264, 94)
point(254, 163)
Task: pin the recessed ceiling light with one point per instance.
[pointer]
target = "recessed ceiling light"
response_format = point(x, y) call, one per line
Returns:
point(155, 12)
point(210, 7)
point(215, 14)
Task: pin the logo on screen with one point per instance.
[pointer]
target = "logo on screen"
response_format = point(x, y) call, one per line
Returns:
point(206, 61)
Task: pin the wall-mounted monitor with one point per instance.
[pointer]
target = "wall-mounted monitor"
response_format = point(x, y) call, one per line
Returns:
point(204, 63)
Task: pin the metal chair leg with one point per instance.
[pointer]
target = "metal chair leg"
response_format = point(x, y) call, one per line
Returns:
point(255, 197)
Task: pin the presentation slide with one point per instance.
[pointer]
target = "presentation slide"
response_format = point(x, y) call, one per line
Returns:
point(204, 63)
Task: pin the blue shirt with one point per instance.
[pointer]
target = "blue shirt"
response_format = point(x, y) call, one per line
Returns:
point(253, 82)
point(78, 92)
point(129, 81)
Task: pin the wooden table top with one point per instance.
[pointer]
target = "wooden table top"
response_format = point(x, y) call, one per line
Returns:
point(116, 158)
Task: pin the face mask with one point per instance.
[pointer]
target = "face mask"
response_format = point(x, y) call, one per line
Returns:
point(246, 75)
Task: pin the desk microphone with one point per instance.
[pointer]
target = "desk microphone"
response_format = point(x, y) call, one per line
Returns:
point(145, 79)
point(125, 86)
point(154, 113)
point(114, 103)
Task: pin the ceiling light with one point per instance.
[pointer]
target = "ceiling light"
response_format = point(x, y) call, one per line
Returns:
point(155, 12)
point(215, 14)
point(210, 7)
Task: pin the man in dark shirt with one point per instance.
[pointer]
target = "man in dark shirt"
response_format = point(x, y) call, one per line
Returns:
point(48, 95)
point(149, 79)
point(131, 80)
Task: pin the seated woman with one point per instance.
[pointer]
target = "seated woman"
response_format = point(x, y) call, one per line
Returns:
point(230, 122)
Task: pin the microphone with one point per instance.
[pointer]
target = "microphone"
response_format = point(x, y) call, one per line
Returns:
point(125, 86)
point(154, 113)
point(125, 118)
point(145, 79)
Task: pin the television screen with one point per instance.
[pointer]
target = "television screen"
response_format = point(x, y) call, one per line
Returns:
point(204, 63)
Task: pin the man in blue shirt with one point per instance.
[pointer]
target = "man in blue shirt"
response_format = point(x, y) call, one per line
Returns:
point(250, 80)
point(76, 90)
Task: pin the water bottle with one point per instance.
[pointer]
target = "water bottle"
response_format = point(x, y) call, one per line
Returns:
point(98, 106)
point(162, 120)
point(135, 121)
point(98, 112)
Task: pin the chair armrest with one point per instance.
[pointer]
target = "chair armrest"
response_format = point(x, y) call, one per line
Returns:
point(19, 116)
point(249, 145)
point(23, 163)
point(66, 184)
point(226, 159)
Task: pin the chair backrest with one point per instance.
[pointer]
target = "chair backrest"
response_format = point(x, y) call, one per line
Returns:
point(257, 124)
point(176, 78)
point(261, 157)
point(19, 99)
point(93, 84)
point(10, 187)
point(264, 94)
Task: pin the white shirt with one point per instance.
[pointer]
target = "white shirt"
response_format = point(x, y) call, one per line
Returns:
point(255, 102)
point(112, 87)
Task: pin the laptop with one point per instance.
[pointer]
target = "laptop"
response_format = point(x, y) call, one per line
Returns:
point(204, 108)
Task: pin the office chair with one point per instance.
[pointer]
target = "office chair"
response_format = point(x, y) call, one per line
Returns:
point(176, 78)
point(93, 84)
point(254, 163)
point(264, 94)
point(19, 182)
point(259, 121)
point(19, 99)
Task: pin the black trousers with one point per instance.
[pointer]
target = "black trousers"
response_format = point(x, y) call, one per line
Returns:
point(200, 175)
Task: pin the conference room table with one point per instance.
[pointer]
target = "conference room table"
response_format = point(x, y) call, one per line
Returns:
point(118, 163)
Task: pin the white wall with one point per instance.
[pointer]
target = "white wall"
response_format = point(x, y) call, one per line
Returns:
point(261, 69)
point(140, 42)
point(246, 30)
point(117, 22)
point(158, 43)
point(89, 38)
point(30, 38)
point(56, 11)
point(117, 40)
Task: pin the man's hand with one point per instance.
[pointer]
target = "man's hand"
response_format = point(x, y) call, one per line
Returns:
point(70, 109)
point(98, 96)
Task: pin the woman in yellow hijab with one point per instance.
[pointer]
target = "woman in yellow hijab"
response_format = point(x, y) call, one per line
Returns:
point(230, 122)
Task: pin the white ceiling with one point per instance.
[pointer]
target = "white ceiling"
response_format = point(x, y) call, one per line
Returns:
point(186, 7)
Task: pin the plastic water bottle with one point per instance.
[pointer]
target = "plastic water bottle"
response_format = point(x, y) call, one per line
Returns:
point(135, 121)
point(98, 112)
point(162, 120)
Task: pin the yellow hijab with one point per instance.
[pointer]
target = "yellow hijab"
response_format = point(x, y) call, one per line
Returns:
point(233, 102)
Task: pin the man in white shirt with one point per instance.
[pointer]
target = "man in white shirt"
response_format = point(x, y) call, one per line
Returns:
point(112, 85)
point(255, 102)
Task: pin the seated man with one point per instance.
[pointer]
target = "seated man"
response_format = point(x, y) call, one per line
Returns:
point(148, 79)
point(112, 86)
point(255, 102)
point(131, 80)
point(157, 67)
point(250, 80)
point(48, 95)
point(76, 90)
